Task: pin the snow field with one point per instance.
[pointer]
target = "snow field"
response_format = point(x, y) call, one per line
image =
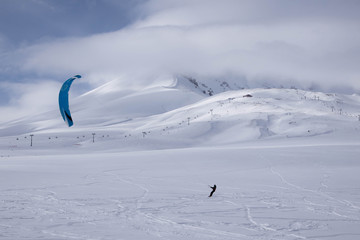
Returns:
point(263, 193)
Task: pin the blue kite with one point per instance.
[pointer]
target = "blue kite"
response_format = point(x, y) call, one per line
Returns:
point(64, 100)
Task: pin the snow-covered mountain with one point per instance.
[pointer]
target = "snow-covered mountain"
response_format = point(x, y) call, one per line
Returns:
point(190, 113)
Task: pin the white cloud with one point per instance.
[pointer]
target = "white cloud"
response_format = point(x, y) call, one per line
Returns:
point(305, 41)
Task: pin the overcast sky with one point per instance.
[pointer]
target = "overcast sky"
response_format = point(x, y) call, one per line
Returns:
point(301, 42)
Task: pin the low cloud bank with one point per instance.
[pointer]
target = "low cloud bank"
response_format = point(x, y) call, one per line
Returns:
point(301, 42)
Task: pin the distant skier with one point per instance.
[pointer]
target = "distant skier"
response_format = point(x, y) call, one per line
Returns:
point(213, 190)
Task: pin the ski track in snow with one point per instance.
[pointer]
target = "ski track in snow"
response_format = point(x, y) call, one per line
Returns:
point(327, 198)
point(176, 227)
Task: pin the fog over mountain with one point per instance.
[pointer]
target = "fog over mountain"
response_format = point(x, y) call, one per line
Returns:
point(302, 44)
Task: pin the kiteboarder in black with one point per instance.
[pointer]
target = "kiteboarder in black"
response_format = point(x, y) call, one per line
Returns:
point(213, 190)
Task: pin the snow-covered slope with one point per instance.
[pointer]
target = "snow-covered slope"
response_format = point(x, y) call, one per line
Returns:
point(181, 115)
point(106, 105)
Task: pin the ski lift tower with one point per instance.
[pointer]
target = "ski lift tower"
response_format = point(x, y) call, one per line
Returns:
point(31, 136)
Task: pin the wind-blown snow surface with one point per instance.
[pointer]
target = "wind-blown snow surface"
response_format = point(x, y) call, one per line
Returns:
point(285, 161)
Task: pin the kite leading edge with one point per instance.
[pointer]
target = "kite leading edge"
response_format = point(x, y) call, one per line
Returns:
point(64, 100)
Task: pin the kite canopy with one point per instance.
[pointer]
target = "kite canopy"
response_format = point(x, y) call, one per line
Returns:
point(64, 100)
